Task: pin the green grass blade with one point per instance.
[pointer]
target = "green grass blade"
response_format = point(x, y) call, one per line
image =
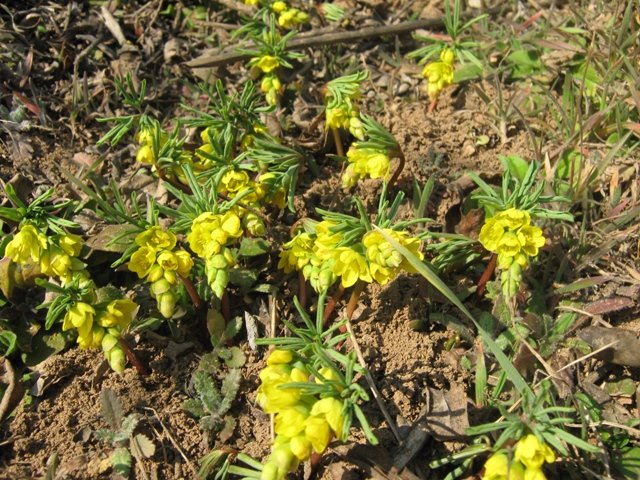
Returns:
point(502, 359)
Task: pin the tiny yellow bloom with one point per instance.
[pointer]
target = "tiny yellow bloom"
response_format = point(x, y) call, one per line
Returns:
point(156, 239)
point(301, 447)
point(351, 266)
point(510, 243)
point(267, 63)
point(278, 6)
point(145, 155)
point(80, 316)
point(142, 260)
point(233, 180)
point(491, 233)
point(533, 239)
point(118, 313)
point(318, 432)
point(336, 118)
point(70, 244)
point(290, 421)
point(279, 356)
point(27, 245)
point(330, 408)
point(532, 453)
point(497, 467)
point(93, 339)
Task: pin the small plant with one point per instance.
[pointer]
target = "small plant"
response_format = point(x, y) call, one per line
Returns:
point(121, 436)
point(211, 404)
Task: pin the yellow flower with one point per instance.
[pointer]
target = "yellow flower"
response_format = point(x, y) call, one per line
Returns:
point(296, 253)
point(113, 352)
point(278, 6)
point(369, 162)
point(251, 2)
point(497, 468)
point(532, 453)
point(145, 155)
point(290, 421)
point(287, 18)
point(70, 244)
point(491, 233)
point(118, 313)
point(318, 432)
point(142, 260)
point(155, 238)
point(267, 63)
point(532, 474)
point(533, 240)
point(301, 447)
point(439, 74)
point(351, 266)
point(510, 243)
point(93, 339)
point(80, 316)
point(28, 244)
point(337, 117)
point(330, 408)
point(512, 218)
point(279, 356)
point(233, 180)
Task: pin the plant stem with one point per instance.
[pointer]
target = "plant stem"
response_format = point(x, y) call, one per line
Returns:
point(338, 140)
point(399, 154)
point(140, 368)
point(178, 185)
point(332, 304)
point(355, 296)
point(201, 310)
point(486, 275)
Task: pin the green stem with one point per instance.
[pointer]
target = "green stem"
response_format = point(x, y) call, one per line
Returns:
point(302, 289)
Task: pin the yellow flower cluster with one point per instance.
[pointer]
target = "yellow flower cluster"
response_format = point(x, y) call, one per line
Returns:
point(511, 235)
point(363, 162)
point(289, 17)
point(100, 327)
point(529, 457)
point(302, 423)
point(344, 114)
point(56, 254)
point(145, 140)
point(322, 259)
point(439, 74)
point(210, 236)
point(156, 260)
point(271, 85)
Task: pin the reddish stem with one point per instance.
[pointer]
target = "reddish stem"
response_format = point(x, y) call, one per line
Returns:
point(302, 289)
point(400, 156)
point(140, 368)
point(482, 283)
point(201, 310)
point(355, 296)
point(331, 305)
point(432, 105)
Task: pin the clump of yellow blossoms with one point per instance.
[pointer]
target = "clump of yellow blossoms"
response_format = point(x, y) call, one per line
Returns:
point(511, 236)
point(529, 457)
point(439, 74)
point(56, 255)
point(323, 258)
point(363, 162)
point(101, 327)
point(288, 17)
point(210, 236)
point(302, 423)
point(341, 111)
point(145, 140)
point(156, 260)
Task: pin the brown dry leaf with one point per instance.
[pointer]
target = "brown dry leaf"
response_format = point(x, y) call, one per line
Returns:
point(626, 350)
point(443, 417)
point(14, 391)
point(607, 305)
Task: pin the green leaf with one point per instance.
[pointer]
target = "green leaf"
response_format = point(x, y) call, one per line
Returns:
point(251, 247)
point(129, 424)
point(627, 463)
point(237, 358)
point(433, 278)
point(194, 407)
point(518, 166)
point(230, 384)
point(243, 278)
point(7, 343)
point(228, 428)
point(111, 408)
point(121, 462)
point(143, 446)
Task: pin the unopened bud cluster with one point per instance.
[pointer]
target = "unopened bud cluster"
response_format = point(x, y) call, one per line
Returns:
point(529, 457)
point(439, 74)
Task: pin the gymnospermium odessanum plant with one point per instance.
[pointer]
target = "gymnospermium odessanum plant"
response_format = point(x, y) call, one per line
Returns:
point(440, 73)
point(97, 316)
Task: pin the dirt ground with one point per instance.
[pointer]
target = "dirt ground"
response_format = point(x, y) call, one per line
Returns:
point(404, 362)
